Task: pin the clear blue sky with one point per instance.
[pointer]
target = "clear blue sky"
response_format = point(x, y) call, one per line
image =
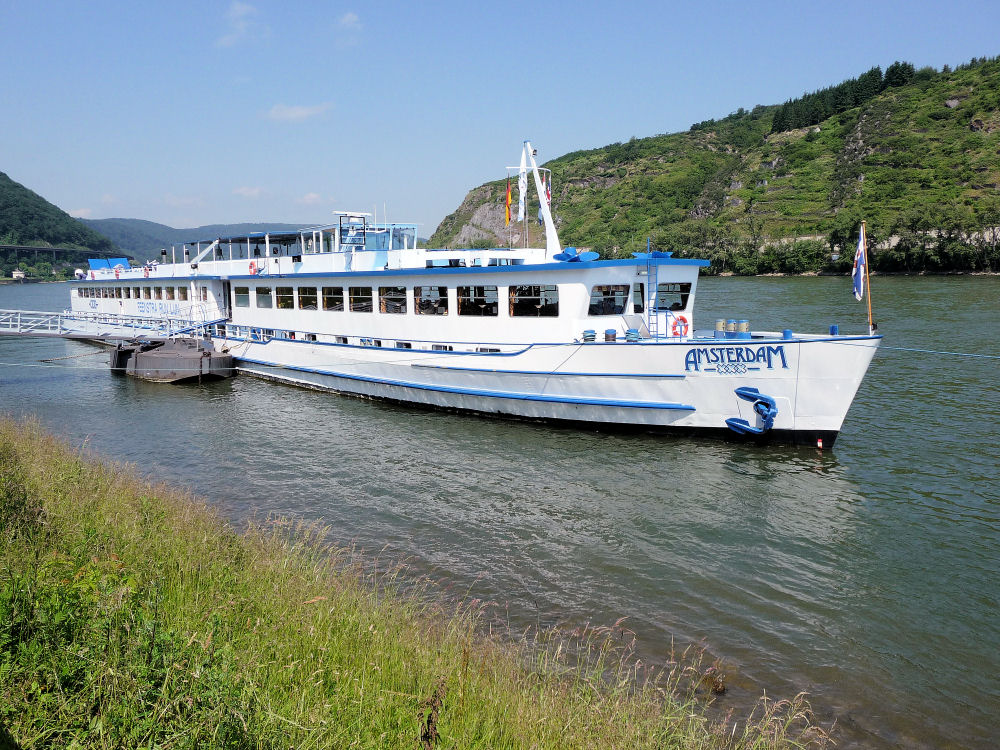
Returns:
point(190, 113)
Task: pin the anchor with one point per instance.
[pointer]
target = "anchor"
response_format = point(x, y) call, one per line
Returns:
point(764, 406)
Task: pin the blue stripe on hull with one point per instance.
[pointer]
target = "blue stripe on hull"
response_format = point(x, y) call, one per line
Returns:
point(478, 392)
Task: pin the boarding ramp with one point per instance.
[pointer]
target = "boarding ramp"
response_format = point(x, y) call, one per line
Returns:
point(98, 326)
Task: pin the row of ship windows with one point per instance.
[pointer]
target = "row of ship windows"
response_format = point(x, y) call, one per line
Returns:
point(137, 292)
point(253, 333)
point(522, 301)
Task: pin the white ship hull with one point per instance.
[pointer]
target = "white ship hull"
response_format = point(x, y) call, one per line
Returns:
point(645, 386)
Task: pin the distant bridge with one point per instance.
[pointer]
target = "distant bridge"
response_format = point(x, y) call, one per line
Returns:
point(55, 250)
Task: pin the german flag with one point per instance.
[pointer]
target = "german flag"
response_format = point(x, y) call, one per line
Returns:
point(508, 202)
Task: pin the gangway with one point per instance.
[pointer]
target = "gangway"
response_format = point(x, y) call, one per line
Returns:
point(97, 326)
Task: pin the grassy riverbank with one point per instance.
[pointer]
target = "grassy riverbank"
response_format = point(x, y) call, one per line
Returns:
point(132, 616)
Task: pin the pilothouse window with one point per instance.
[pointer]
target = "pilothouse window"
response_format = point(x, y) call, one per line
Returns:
point(242, 296)
point(534, 301)
point(264, 297)
point(284, 297)
point(672, 296)
point(608, 299)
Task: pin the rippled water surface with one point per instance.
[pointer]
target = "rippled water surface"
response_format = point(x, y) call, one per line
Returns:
point(867, 575)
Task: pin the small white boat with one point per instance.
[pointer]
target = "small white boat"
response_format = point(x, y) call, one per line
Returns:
point(538, 333)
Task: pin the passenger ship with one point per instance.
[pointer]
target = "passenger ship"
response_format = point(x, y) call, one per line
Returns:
point(548, 333)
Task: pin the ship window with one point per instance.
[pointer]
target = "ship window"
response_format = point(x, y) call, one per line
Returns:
point(672, 296)
point(430, 300)
point(534, 301)
point(285, 300)
point(404, 345)
point(638, 297)
point(168, 292)
point(146, 292)
point(477, 300)
point(135, 292)
point(340, 339)
point(392, 299)
point(242, 296)
point(360, 298)
point(182, 293)
point(125, 292)
point(333, 298)
point(442, 347)
point(310, 336)
point(204, 294)
point(157, 292)
point(119, 292)
point(264, 297)
point(608, 299)
point(307, 298)
point(487, 350)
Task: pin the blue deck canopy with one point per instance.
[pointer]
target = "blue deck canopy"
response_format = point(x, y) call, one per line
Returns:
point(98, 263)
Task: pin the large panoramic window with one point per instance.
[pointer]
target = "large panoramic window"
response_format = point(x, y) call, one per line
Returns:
point(333, 298)
point(307, 298)
point(672, 296)
point(284, 297)
point(241, 296)
point(182, 293)
point(392, 299)
point(477, 300)
point(146, 292)
point(157, 292)
point(168, 292)
point(534, 301)
point(608, 299)
point(360, 298)
point(264, 297)
point(430, 300)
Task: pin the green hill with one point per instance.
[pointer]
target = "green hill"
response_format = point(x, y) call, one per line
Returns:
point(915, 153)
point(26, 218)
point(146, 238)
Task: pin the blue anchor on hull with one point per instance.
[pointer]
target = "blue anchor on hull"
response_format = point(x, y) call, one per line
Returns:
point(764, 406)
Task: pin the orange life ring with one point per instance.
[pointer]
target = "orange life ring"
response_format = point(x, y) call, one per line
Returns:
point(679, 326)
point(253, 268)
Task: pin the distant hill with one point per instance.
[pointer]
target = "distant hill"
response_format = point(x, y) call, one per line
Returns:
point(914, 152)
point(26, 218)
point(145, 239)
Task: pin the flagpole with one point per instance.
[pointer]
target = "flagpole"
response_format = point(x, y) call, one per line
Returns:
point(868, 280)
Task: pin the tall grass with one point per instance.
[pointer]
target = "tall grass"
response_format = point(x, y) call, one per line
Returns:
point(131, 615)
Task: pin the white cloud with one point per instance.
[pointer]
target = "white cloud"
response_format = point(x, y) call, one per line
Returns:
point(296, 113)
point(107, 199)
point(248, 192)
point(311, 199)
point(81, 213)
point(350, 22)
point(241, 24)
point(348, 30)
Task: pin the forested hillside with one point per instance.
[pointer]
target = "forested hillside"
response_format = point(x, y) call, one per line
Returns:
point(26, 218)
point(914, 152)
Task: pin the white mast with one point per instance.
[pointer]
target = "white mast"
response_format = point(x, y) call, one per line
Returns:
point(552, 246)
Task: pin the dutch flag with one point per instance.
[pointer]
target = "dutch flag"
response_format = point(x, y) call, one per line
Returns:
point(860, 259)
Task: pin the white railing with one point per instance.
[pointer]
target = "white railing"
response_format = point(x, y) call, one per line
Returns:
point(94, 325)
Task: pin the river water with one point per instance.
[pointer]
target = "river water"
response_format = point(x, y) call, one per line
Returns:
point(868, 576)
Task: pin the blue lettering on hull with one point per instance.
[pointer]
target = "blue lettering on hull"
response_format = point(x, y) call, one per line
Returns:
point(735, 359)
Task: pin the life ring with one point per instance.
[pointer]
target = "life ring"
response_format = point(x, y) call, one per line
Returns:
point(253, 268)
point(679, 326)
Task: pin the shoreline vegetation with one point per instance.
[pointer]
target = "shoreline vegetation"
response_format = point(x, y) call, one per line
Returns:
point(132, 615)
